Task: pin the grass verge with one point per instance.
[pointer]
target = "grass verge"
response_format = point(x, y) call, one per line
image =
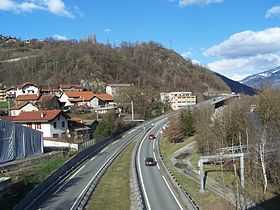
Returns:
point(26, 183)
point(113, 191)
point(207, 200)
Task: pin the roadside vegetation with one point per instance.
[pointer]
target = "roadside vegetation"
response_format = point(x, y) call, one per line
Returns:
point(26, 180)
point(113, 191)
point(251, 124)
point(207, 200)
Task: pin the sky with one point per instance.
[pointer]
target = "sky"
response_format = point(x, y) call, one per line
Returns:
point(236, 38)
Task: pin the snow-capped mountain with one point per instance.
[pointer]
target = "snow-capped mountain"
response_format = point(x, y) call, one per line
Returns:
point(270, 78)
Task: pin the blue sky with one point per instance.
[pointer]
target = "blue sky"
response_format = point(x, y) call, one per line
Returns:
point(233, 37)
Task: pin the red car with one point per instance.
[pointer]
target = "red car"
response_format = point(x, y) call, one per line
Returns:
point(152, 137)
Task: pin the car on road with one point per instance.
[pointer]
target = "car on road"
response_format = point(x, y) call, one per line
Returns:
point(152, 137)
point(149, 161)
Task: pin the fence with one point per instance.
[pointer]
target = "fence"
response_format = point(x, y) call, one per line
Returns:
point(18, 142)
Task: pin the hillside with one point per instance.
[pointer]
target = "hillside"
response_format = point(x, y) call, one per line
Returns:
point(146, 65)
point(237, 87)
point(269, 78)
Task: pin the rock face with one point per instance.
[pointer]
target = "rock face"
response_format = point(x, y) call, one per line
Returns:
point(270, 78)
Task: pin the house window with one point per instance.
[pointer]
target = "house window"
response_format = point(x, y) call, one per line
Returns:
point(54, 124)
point(63, 124)
point(38, 126)
point(29, 125)
point(55, 135)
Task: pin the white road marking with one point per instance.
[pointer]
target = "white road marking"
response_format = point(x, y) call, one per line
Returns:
point(140, 173)
point(172, 193)
point(93, 158)
point(154, 145)
point(71, 177)
point(90, 181)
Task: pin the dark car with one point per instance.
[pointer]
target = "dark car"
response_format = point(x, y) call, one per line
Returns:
point(149, 161)
point(152, 136)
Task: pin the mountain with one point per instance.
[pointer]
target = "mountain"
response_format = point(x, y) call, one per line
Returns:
point(237, 87)
point(147, 65)
point(269, 78)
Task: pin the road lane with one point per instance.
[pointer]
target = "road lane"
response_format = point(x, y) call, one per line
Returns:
point(65, 195)
point(159, 194)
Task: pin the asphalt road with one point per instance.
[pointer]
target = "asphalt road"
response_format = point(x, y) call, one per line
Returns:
point(158, 192)
point(66, 194)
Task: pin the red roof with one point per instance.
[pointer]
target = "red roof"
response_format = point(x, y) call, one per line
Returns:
point(78, 96)
point(38, 116)
point(104, 96)
point(20, 104)
point(31, 97)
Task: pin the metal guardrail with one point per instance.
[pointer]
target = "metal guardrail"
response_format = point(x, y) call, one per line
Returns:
point(37, 194)
point(177, 184)
point(82, 202)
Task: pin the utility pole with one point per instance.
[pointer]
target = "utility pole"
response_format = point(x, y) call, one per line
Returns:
point(132, 111)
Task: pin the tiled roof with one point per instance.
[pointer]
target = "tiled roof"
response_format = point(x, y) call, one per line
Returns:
point(38, 116)
point(69, 86)
point(20, 104)
point(78, 96)
point(104, 96)
point(31, 97)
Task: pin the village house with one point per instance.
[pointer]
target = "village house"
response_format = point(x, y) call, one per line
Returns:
point(115, 89)
point(70, 87)
point(52, 123)
point(88, 99)
point(2, 92)
point(11, 93)
point(27, 88)
point(23, 107)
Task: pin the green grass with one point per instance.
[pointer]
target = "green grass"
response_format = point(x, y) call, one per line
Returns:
point(4, 104)
point(17, 191)
point(113, 191)
point(207, 200)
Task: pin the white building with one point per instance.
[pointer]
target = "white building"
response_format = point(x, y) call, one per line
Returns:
point(178, 100)
point(23, 107)
point(115, 89)
point(52, 123)
point(27, 89)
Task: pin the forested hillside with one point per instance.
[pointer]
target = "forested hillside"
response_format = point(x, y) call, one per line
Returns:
point(146, 65)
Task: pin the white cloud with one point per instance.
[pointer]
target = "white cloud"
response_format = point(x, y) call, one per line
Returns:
point(60, 37)
point(273, 12)
point(246, 53)
point(248, 43)
point(56, 7)
point(184, 3)
point(239, 68)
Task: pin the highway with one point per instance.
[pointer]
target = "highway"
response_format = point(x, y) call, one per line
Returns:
point(156, 187)
point(67, 194)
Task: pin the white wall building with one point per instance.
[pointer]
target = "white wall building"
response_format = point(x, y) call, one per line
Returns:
point(27, 89)
point(52, 123)
point(178, 100)
point(114, 89)
point(23, 107)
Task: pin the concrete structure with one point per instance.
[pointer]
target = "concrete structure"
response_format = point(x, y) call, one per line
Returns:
point(115, 89)
point(178, 100)
point(23, 107)
point(52, 123)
